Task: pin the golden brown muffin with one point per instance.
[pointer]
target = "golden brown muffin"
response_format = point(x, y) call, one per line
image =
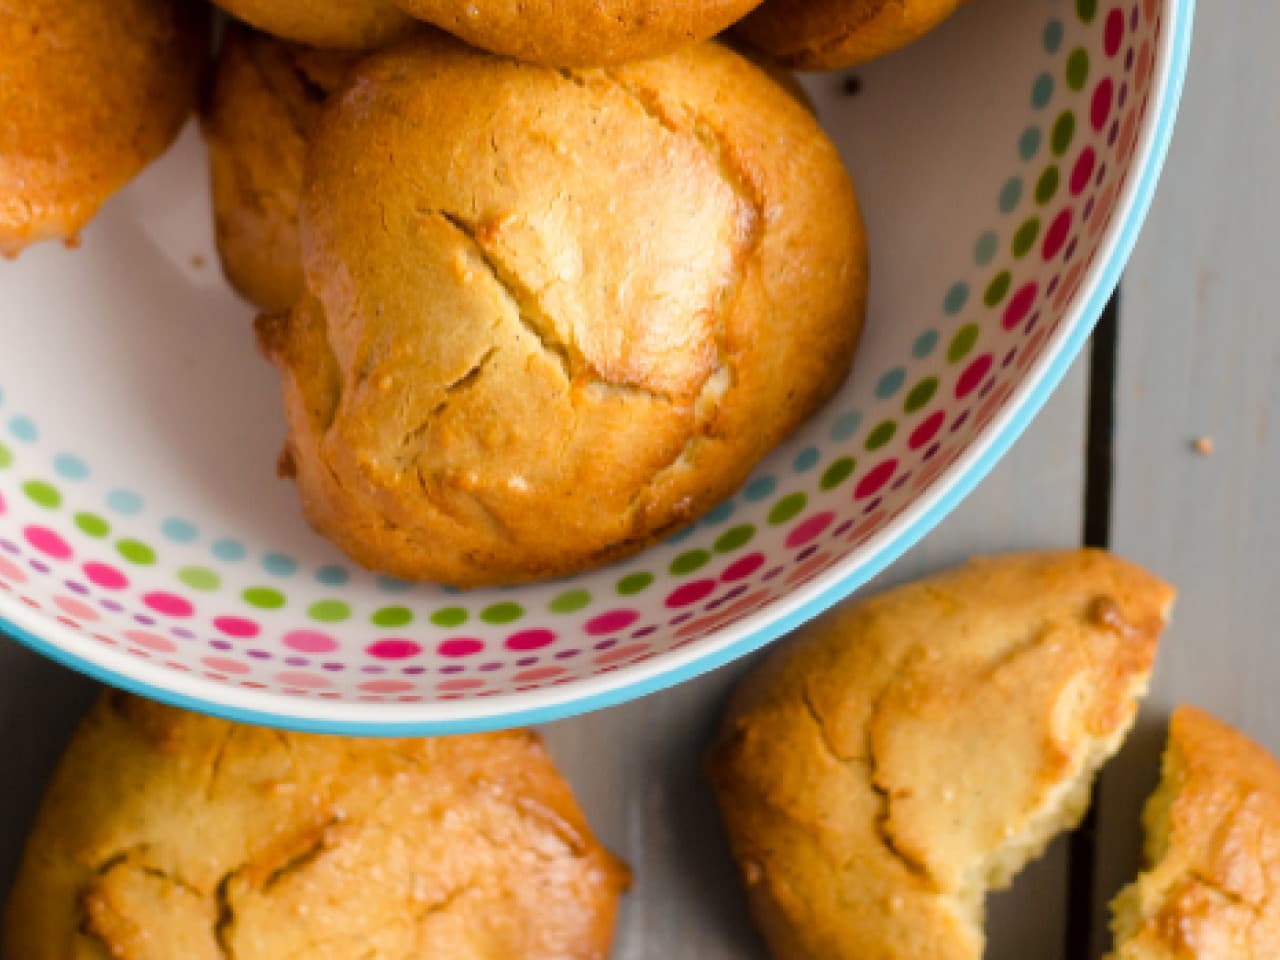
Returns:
point(1213, 848)
point(342, 24)
point(554, 315)
point(580, 33)
point(910, 752)
point(91, 91)
point(170, 835)
point(266, 100)
point(833, 34)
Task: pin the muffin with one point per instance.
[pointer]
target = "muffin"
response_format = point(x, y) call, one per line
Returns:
point(551, 317)
point(91, 91)
point(906, 754)
point(1212, 889)
point(166, 835)
point(833, 34)
point(343, 24)
point(266, 99)
point(580, 33)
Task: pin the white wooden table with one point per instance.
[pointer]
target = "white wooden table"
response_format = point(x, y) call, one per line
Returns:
point(1195, 352)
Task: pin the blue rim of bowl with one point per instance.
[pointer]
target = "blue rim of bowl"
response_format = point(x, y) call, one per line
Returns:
point(839, 584)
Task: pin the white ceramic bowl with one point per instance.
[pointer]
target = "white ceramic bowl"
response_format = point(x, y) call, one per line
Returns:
point(1005, 164)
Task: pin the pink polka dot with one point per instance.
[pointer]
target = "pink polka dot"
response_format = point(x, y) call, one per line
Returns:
point(302, 679)
point(309, 641)
point(536, 674)
point(386, 686)
point(809, 529)
point(105, 576)
point(611, 622)
point(11, 572)
point(460, 647)
point(1100, 106)
point(225, 665)
point(239, 627)
point(973, 375)
point(47, 542)
point(1020, 305)
point(618, 654)
point(743, 567)
point(1057, 234)
point(876, 478)
point(458, 684)
point(1082, 173)
point(76, 608)
point(1113, 32)
point(150, 641)
point(3, 508)
point(689, 593)
point(927, 429)
point(529, 640)
point(393, 648)
point(169, 604)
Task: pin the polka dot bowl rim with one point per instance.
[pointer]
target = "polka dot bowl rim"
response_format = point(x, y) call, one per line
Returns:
point(752, 631)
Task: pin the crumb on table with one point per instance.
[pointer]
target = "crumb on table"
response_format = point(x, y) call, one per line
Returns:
point(1203, 445)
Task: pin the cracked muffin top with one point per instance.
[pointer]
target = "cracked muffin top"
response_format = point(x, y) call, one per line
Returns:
point(266, 100)
point(1212, 889)
point(907, 753)
point(553, 315)
point(340, 24)
point(834, 34)
point(166, 835)
point(91, 91)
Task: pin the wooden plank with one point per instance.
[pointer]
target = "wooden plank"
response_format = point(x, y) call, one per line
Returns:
point(1200, 355)
point(637, 768)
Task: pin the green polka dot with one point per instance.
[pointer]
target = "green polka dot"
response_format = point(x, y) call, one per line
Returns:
point(634, 583)
point(136, 551)
point(92, 524)
point(570, 601)
point(1010, 195)
point(43, 494)
point(881, 435)
point(1077, 69)
point(787, 507)
point(1087, 9)
point(837, 473)
point(1042, 91)
point(502, 613)
point(962, 343)
point(955, 299)
point(1064, 128)
point(735, 538)
point(392, 617)
point(998, 288)
point(199, 578)
point(328, 611)
point(689, 561)
point(1025, 238)
point(449, 617)
point(920, 394)
point(1029, 143)
point(6, 456)
point(1047, 185)
point(264, 598)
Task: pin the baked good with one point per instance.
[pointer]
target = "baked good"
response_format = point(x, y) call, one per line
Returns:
point(834, 34)
point(1212, 887)
point(580, 33)
point(907, 753)
point(553, 316)
point(344, 24)
point(91, 91)
point(266, 98)
point(166, 834)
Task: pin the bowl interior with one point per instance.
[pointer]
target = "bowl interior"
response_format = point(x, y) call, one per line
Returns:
point(143, 535)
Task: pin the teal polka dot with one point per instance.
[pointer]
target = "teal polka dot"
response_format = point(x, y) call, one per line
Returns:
point(719, 515)
point(279, 564)
point(1029, 143)
point(846, 426)
point(984, 251)
point(889, 385)
point(1053, 36)
point(228, 551)
point(24, 429)
point(1010, 195)
point(681, 535)
point(1042, 91)
point(806, 460)
point(392, 585)
point(925, 344)
point(178, 530)
point(332, 576)
point(124, 501)
point(956, 298)
point(451, 590)
point(760, 488)
point(70, 467)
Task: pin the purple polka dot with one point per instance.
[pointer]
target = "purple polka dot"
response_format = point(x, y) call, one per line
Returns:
point(526, 661)
point(644, 632)
point(259, 654)
point(841, 530)
point(901, 481)
point(39, 566)
point(182, 633)
point(776, 571)
point(490, 666)
point(8, 546)
point(296, 661)
point(871, 507)
point(144, 620)
point(220, 645)
point(931, 452)
point(450, 668)
point(373, 668)
point(333, 666)
point(567, 654)
point(76, 586)
point(681, 618)
point(605, 644)
point(806, 553)
point(1031, 324)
